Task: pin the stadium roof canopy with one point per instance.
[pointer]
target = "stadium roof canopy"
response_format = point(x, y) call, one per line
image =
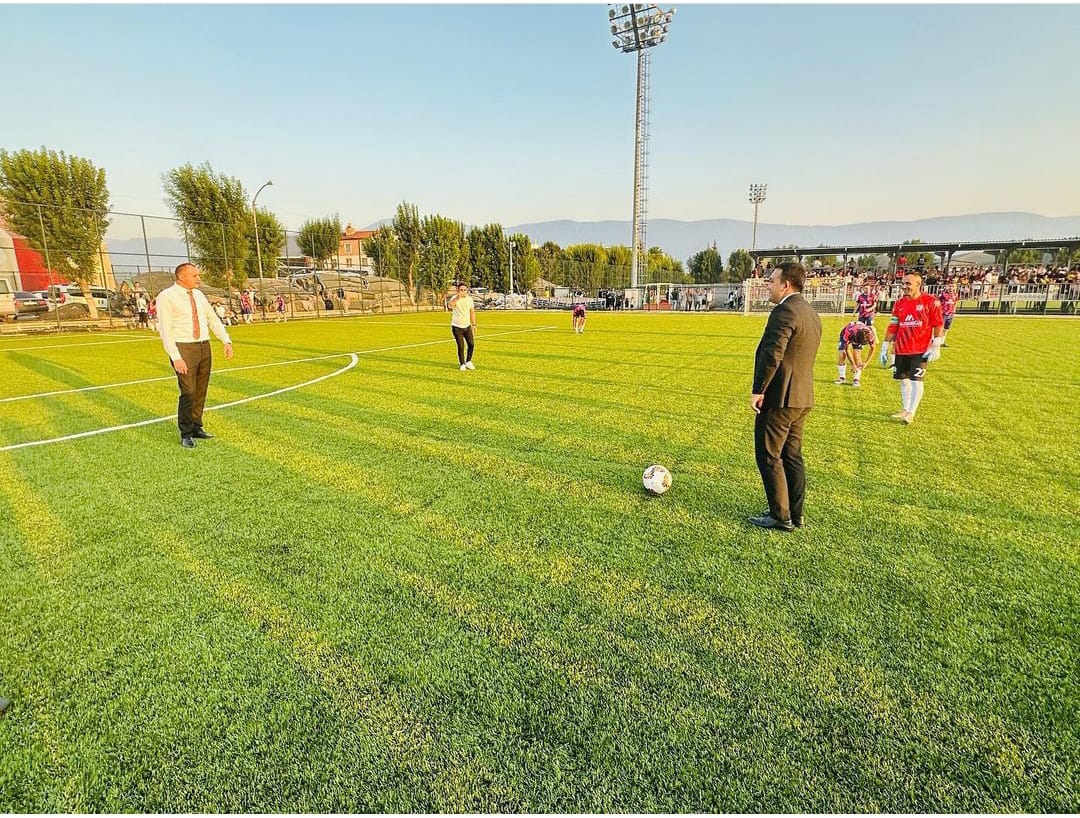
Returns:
point(944, 247)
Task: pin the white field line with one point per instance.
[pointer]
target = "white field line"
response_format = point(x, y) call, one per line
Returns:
point(238, 368)
point(353, 359)
point(352, 362)
point(155, 337)
point(162, 378)
point(79, 346)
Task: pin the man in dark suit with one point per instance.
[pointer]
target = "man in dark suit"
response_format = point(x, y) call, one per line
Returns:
point(783, 394)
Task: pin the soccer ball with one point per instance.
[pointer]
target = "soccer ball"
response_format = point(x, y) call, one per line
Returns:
point(656, 480)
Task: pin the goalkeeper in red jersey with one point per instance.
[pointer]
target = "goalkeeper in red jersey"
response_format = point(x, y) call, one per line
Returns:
point(916, 327)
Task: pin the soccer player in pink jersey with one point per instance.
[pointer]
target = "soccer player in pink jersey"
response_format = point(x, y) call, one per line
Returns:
point(579, 318)
point(916, 328)
point(948, 310)
point(866, 305)
point(853, 338)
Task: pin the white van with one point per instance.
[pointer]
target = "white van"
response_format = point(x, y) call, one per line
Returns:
point(7, 301)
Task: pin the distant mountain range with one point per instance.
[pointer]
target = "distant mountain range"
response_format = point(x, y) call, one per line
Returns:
point(682, 239)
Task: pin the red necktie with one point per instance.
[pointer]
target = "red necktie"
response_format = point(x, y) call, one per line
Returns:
point(194, 315)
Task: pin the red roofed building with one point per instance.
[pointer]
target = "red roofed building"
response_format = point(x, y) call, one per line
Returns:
point(351, 253)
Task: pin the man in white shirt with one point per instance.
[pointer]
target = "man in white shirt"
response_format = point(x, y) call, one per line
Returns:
point(185, 320)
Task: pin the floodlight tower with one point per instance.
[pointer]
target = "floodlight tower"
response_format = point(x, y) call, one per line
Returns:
point(757, 196)
point(637, 27)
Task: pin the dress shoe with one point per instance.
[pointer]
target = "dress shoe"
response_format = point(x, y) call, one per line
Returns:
point(799, 521)
point(187, 443)
point(768, 521)
point(202, 434)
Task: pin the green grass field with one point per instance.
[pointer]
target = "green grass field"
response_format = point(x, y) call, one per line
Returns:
point(407, 587)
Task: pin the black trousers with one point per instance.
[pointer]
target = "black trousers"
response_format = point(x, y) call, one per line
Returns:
point(463, 336)
point(189, 410)
point(778, 435)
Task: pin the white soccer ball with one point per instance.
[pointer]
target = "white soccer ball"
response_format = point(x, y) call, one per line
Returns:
point(656, 480)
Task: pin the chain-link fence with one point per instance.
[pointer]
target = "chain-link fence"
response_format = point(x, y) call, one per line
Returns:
point(248, 282)
point(837, 297)
point(137, 259)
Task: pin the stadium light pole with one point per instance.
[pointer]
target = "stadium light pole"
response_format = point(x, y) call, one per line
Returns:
point(510, 246)
point(757, 196)
point(258, 252)
point(637, 27)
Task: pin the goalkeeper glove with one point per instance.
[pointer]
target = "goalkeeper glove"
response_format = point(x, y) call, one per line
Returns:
point(886, 359)
point(934, 352)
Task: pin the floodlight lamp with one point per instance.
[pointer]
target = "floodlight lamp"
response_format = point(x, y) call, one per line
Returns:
point(625, 9)
point(611, 13)
point(614, 29)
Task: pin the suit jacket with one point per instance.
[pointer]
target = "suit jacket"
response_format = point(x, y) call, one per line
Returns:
point(784, 361)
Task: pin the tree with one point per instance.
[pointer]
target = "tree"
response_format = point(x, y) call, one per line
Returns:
point(663, 267)
point(489, 263)
point(830, 260)
point(440, 252)
point(866, 262)
point(382, 248)
point(784, 259)
point(914, 258)
point(706, 266)
point(60, 204)
point(271, 243)
point(213, 211)
point(740, 265)
point(549, 258)
point(526, 265)
point(1025, 255)
point(320, 238)
point(588, 266)
point(410, 233)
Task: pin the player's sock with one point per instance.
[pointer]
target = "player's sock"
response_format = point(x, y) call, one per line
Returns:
point(905, 394)
point(916, 395)
point(842, 369)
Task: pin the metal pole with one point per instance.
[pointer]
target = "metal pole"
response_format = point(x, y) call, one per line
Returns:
point(753, 239)
point(146, 243)
point(292, 295)
point(258, 251)
point(510, 244)
point(225, 265)
point(48, 263)
point(636, 228)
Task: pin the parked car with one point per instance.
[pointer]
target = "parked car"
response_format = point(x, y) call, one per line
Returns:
point(72, 294)
point(30, 304)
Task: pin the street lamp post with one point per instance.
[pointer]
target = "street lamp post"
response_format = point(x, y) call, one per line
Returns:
point(510, 245)
point(638, 27)
point(757, 196)
point(258, 251)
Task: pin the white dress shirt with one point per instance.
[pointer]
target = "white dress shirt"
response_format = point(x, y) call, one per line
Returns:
point(174, 319)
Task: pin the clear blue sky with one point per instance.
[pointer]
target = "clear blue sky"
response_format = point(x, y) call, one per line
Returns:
point(521, 113)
